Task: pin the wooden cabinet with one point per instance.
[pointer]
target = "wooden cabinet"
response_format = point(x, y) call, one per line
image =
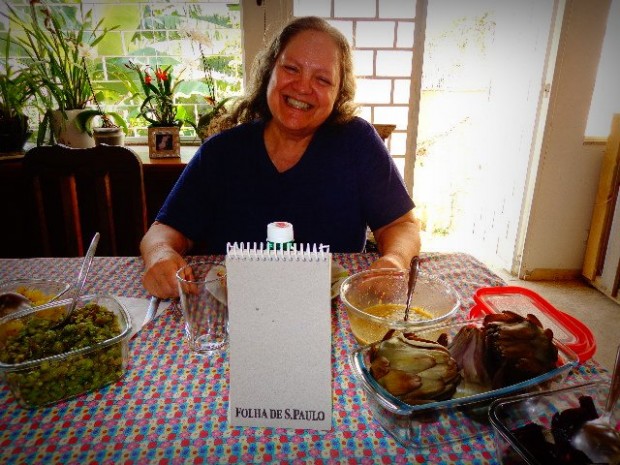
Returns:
point(15, 208)
point(160, 175)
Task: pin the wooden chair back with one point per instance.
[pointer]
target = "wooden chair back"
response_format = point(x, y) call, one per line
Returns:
point(77, 192)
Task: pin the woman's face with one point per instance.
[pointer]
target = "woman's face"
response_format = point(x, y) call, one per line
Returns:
point(304, 83)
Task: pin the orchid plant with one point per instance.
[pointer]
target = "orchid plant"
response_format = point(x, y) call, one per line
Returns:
point(56, 47)
point(207, 122)
point(158, 106)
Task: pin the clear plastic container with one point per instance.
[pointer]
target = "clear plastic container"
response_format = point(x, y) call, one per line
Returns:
point(39, 291)
point(508, 414)
point(50, 379)
point(437, 423)
point(567, 329)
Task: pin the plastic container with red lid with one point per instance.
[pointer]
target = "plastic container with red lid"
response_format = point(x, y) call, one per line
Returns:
point(566, 329)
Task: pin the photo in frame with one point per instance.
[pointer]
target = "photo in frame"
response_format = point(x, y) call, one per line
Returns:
point(164, 142)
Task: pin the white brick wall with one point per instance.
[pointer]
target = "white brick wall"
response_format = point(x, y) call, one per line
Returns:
point(381, 33)
point(355, 9)
point(394, 63)
point(397, 9)
point(313, 8)
point(374, 34)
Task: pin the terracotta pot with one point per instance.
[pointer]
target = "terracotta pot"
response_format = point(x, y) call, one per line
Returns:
point(384, 130)
point(67, 133)
point(109, 136)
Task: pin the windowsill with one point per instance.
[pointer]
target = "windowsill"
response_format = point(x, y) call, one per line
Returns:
point(595, 141)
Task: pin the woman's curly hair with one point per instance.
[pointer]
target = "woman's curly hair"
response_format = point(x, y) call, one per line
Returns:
point(254, 104)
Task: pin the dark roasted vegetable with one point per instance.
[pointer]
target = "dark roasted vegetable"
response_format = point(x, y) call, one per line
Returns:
point(553, 445)
point(467, 349)
point(517, 348)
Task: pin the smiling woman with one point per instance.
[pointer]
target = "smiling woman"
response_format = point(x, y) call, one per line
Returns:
point(296, 152)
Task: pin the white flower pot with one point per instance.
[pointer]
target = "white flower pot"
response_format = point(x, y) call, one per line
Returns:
point(67, 133)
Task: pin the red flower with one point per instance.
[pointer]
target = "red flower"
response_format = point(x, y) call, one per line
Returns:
point(147, 79)
point(161, 74)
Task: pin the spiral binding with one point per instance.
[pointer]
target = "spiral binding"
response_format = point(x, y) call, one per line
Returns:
point(258, 251)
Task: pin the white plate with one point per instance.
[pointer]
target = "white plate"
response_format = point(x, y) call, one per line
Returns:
point(339, 274)
point(218, 291)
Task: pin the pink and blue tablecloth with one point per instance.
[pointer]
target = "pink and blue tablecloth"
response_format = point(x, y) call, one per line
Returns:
point(171, 406)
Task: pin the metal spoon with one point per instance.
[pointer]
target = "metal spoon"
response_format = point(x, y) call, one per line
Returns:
point(79, 284)
point(413, 278)
point(11, 302)
point(598, 438)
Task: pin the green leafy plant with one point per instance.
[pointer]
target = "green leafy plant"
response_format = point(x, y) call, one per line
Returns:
point(208, 123)
point(158, 106)
point(17, 91)
point(59, 49)
point(16, 86)
point(87, 120)
point(107, 119)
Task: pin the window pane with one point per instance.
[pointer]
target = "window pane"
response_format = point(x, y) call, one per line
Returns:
point(198, 39)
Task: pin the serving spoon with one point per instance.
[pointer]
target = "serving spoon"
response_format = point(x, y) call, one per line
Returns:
point(11, 302)
point(598, 438)
point(81, 279)
point(413, 279)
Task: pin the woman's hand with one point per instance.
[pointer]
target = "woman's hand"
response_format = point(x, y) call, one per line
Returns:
point(386, 261)
point(162, 250)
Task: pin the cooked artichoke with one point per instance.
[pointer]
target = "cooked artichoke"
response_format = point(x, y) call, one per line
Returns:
point(468, 350)
point(413, 369)
point(517, 348)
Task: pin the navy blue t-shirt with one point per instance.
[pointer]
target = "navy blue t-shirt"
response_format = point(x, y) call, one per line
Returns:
point(230, 190)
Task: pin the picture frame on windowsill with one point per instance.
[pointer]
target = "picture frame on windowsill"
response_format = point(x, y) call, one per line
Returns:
point(164, 142)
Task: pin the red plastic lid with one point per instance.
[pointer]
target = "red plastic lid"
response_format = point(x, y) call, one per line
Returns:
point(566, 329)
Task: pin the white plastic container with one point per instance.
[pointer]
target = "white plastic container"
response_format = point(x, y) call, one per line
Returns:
point(280, 236)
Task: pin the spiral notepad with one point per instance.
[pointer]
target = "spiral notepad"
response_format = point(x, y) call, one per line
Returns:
point(280, 337)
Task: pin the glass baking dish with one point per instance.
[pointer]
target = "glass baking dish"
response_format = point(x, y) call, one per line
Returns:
point(442, 422)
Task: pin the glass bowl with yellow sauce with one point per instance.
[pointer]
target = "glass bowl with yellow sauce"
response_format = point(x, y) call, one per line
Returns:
point(375, 302)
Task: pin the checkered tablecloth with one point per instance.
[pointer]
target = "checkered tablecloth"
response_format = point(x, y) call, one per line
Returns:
point(171, 406)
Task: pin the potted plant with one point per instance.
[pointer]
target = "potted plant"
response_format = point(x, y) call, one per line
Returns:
point(105, 127)
point(59, 51)
point(211, 122)
point(16, 90)
point(159, 109)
